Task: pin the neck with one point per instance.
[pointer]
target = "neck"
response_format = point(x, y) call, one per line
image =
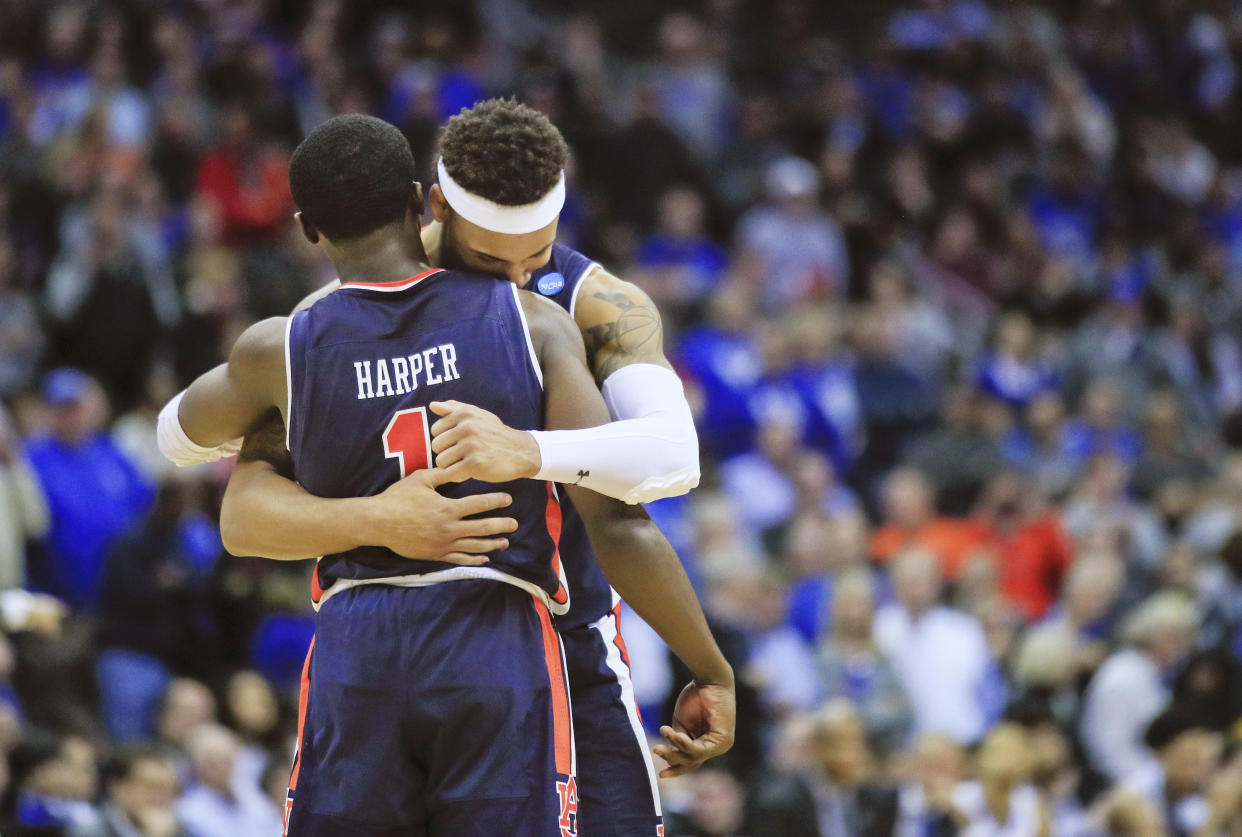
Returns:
point(997, 797)
point(380, 257)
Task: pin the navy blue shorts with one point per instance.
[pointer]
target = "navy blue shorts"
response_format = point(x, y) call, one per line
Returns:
point(433, 711)
point(617, 790)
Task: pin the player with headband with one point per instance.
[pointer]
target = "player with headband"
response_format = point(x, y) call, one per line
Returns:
point(496, 206)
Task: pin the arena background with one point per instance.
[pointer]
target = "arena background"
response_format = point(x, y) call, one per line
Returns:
point(955, 288)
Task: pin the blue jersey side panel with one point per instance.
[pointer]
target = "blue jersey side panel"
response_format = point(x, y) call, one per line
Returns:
point(592, 597)
point(365, 360)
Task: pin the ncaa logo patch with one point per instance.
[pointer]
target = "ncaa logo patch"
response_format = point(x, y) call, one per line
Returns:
point(550, 284)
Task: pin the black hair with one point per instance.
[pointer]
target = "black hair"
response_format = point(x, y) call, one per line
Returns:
point(1030, 711)
point(352, 175)
point(504, 151)
point(1171, 723)
point(1231, 554)
point(120, 764)
point(37, 747)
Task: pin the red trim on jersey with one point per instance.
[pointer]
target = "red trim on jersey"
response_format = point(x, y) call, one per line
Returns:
point(552, 514)
point(393, 286)
point(316, 589)
point(303, 696)
point(619, 641)
point(562, 727)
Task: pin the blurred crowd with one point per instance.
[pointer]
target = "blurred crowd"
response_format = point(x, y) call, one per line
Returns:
point(956, 289)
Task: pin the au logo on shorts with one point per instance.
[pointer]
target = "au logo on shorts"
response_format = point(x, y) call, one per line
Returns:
point(567, 791)
point(550, 284)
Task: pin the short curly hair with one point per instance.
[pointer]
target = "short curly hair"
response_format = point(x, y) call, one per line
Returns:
point(352, 175)
point(504, 151)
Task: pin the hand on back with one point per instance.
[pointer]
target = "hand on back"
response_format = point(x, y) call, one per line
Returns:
point(416, 521)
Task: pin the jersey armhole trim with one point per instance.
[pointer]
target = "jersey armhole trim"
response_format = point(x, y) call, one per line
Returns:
point(288, 382)
point(573, 298)
point(530, 345)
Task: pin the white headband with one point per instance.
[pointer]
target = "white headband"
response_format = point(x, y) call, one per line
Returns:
point(508, 220)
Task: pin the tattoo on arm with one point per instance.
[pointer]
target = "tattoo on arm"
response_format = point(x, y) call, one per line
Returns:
point(267, 443)
point(635, 334)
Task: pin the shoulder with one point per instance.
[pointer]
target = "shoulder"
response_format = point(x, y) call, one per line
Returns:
point(602, 289)
point(958, 624)
point(969, 797)
point(1122, 670)
point(890, 623)
point(314, 296)
point(261, 337)
point(260, 348)
point(619, 323)
point(38, 445)
point(547, 320)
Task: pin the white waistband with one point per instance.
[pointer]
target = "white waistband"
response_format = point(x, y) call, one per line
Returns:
point(443, 576)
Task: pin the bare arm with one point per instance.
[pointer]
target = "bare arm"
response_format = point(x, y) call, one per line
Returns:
point(648, 447)
point(228, 401)
point(266, 513)
point(620, 325)
point(635, 556)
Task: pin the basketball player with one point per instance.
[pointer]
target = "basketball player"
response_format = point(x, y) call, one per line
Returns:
point(506, 162)
point(436, 701)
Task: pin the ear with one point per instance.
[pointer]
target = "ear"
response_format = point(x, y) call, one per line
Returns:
point(416, 205)
point(439, 206)
point(308, 229)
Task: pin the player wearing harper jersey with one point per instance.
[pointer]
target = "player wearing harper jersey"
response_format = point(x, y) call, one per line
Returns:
point(651, 452)
point(435, 696)
point(412, 722)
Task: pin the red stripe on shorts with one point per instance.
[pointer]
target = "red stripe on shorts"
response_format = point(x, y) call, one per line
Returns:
point(562, 728)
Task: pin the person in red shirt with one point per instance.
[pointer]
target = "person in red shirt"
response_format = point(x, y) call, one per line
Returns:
point(247, 180)
point(1033, 551)
point(910, 521)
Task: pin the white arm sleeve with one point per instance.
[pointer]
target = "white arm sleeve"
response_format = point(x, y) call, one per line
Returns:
point(649, 451)
point(179, 448)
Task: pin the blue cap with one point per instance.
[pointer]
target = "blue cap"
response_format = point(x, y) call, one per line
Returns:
point(65, 386)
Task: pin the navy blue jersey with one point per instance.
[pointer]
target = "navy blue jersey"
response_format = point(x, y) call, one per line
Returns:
point(559, 280)
point(365, 361)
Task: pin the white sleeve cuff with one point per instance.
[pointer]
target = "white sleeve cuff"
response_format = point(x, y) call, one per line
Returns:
point(179, 448)
point(650, 451)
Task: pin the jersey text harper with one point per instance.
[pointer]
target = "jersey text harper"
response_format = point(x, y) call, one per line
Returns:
point(400, 375)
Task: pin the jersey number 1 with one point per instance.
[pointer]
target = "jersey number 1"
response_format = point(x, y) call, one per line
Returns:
point(408, 440)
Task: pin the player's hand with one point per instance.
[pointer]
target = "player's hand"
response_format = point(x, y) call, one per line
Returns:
point(471, 443)
point(415, 521)
point(704, 721)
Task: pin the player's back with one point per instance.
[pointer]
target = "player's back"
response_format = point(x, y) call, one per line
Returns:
point(365, 362)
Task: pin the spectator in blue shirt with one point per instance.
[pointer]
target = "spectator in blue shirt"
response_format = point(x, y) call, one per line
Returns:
point(722, 358)
point(686, 262)
point(94, 492)
point(1013, 372)
point(1067, 215)
point(1100, 429)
